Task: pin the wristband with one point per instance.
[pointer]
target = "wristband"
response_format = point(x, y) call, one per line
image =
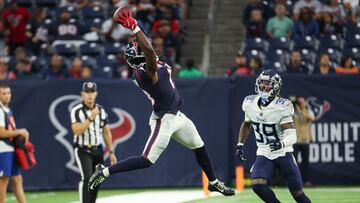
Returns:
point(136, 30)
point(240, 144)
point(111, 152)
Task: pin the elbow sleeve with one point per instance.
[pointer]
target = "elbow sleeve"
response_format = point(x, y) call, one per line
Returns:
point(290, 137)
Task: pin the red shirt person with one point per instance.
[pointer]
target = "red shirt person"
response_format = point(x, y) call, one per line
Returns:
point(15, 20)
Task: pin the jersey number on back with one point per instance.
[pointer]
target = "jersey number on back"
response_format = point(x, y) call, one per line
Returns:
point(265, 132)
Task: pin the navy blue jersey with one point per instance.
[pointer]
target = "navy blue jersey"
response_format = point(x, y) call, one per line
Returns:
point(163, 94)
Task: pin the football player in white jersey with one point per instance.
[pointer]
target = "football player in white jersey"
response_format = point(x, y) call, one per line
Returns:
point(271, 117)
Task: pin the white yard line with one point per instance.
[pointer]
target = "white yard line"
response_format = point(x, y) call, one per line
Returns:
point(156, 197)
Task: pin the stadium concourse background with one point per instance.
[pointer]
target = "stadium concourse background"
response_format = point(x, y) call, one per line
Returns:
point(214, 104)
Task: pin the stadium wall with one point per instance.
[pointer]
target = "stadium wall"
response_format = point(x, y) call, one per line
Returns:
point(214, 105)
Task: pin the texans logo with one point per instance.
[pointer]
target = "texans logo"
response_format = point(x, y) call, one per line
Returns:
point(319, 107)
point(121, 130)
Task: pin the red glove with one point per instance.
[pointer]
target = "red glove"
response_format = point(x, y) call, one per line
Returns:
point(125, 19)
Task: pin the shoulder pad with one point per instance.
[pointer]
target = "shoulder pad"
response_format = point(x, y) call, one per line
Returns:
point(247, 101)
point(285, 106)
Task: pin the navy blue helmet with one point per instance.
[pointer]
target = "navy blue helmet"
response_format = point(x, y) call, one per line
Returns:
point(133, 54)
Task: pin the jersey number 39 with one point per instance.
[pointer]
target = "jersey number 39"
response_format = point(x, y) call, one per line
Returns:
point(265, 132)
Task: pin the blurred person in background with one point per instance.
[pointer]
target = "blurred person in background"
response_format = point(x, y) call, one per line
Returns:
point(306, 25)
point(240, 68)
point(328, 26)
point(191, 71)
point(86, 72)
point(79, 4)
point(24, 70)
point(303, 119)
point(314, 5)
point(296, 65)
point(144, 14)
point(66, 29)
point(75, 69)
point(256, 4)
point(39, 31)
point(255, 66)
point(114, 32)
point(256, 26)
point(9, 169)
point(5, 74)
point(325, 65)
point(15, 19)
point(3, 51)
point(56, 71)
point(279, 25)
point(347, 66)
point(336, 9)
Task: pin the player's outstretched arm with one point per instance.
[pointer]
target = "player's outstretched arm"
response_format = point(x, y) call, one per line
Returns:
point(125, 19)
point(243, 135)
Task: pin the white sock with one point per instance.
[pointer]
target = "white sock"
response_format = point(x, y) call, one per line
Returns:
point(106, 172)
point(214, 182)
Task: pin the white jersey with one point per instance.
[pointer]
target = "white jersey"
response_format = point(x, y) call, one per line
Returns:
point(266, 122)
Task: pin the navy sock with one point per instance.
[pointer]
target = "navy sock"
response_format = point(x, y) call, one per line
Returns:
point(205, 163)
point(265, 193)
point(129, 164)
point(302, 198)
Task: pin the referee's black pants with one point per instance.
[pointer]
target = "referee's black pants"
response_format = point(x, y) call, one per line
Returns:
point(304, 149)
point(87, 159)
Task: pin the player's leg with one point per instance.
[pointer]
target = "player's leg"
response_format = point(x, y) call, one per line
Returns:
point(17, 186)
point(305, 164)
point(98, 158)
point(156, 144)
point(290, 171)
point(262, 170)
point(84, 161)
point(4, 181)
point(161, 131)
point(188, 136)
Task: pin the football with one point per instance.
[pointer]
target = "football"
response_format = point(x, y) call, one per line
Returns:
point(125, 7)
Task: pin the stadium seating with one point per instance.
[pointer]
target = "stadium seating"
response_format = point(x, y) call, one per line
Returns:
point(48, 3)
point(331, 41)
point(93, 12)
point(256, 44)
point(352, 40)
point(113, 48)
point(68, 50)
point(353, 52)
point(307, 42)
point(281, 43)
point(90, 49)
point(334, 54)
point(308, 55)
point(25, 3)
point(70, 9)
point(93, 22)
point(278, 56)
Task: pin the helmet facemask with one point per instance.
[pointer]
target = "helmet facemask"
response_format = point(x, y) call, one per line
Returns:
point(268, 86)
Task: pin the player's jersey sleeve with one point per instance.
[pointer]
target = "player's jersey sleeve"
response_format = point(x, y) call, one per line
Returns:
point(287, 112)
point(246, 105)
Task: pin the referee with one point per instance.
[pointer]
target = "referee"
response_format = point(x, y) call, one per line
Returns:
point(90, 127)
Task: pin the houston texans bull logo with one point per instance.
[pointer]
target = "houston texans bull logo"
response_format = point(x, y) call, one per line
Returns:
point(319, 107)
point(121, 130)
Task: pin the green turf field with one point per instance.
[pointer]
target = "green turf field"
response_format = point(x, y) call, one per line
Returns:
point(317, 195)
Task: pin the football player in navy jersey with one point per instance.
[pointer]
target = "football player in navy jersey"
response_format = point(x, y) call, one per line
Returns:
point(166, 121)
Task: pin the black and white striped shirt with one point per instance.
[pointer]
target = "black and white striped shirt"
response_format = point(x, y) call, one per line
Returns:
point(94, 134)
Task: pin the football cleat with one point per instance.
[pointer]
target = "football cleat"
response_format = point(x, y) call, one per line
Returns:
point(96, 178)
point(220, 187)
